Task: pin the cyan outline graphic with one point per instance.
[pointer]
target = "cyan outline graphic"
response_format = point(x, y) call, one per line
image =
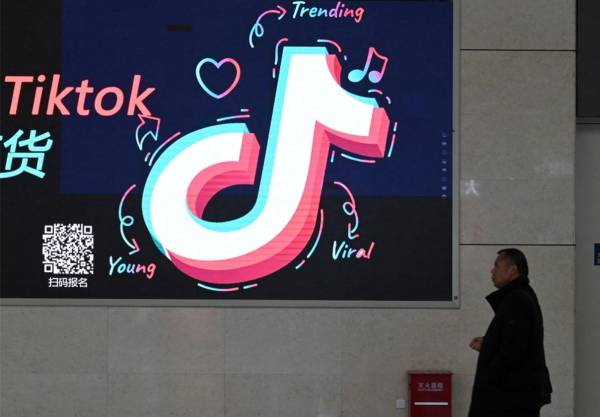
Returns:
point(152, 133)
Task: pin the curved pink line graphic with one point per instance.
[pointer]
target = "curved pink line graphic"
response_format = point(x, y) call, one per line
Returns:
point(337, 45)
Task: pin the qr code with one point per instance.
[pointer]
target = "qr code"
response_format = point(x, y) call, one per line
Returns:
point(68, 249)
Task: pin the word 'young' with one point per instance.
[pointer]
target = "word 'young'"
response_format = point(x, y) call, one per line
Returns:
point(108, 101)
point(121, 267)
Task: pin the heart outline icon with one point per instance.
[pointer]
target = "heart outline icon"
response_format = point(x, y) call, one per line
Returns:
point(238, 72)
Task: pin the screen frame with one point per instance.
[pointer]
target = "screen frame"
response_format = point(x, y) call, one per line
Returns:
point(454, 303)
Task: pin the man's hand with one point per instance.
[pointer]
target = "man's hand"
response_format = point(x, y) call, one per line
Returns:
point(476, 344)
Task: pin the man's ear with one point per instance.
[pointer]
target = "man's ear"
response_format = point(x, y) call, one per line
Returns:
point(513, 269)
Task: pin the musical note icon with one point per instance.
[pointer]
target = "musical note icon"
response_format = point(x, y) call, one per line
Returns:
point(375, 76)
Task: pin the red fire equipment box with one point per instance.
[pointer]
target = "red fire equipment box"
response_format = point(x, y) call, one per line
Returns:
point(430, 393)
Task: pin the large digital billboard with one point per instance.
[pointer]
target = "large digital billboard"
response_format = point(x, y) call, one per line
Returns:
point(236, 152)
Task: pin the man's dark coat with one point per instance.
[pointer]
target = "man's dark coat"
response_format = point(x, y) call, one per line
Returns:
point(511, 378)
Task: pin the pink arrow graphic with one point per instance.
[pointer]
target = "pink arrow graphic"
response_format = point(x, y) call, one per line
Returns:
point(258, 30)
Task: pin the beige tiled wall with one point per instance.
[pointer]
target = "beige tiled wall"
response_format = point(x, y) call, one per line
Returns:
point(518, 24)
point(517, 149)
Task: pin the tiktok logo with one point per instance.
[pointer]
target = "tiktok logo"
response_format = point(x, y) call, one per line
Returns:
point(311, 112)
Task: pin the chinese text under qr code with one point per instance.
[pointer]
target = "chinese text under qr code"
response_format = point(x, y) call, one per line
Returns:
point(68, 249)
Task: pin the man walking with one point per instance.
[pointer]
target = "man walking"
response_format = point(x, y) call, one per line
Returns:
point(512, 379)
